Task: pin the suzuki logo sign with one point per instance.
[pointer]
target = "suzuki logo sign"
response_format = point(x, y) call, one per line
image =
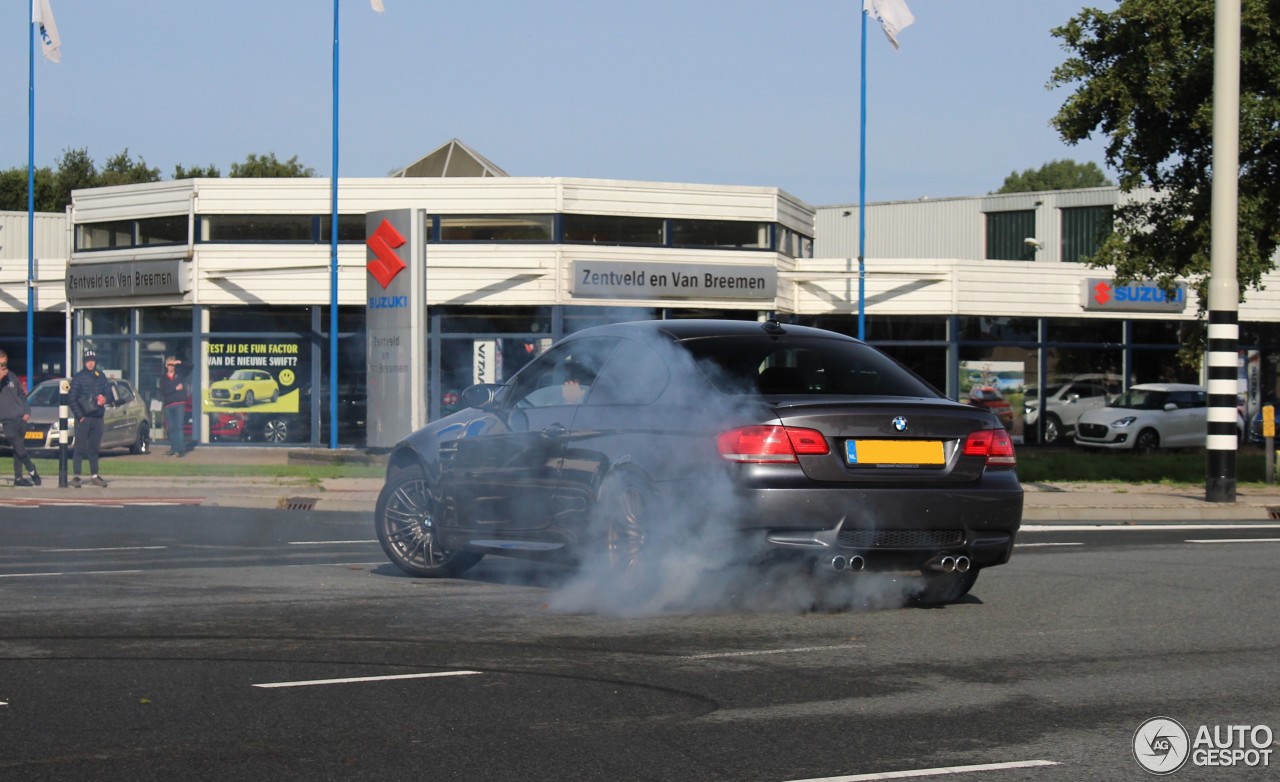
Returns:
point(385, 264)
point(1136, 296)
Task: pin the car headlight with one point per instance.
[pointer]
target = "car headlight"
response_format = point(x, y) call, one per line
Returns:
point(1123, 422)
point(237, 386)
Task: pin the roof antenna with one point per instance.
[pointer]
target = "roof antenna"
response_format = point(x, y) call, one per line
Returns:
point(773, 326)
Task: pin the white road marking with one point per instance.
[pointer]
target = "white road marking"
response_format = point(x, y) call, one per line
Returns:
point(935, 772)
point(1034, 545)
point(71, 573)
point(339, 564)
point(2, 703)
point(368, 679)
point(1238, 540)
point(770, 651)
point(326, 542)
point(1137, 527)
point(117, 548)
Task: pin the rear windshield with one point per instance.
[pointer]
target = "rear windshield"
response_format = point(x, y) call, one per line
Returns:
point(803, 365)
point(44, 395)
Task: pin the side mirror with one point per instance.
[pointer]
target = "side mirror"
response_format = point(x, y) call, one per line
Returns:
point(1170, 406)
point(481, 396)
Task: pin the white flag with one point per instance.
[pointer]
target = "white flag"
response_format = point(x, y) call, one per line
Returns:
point(893, 15)
point(377, 5)
point(50, 43)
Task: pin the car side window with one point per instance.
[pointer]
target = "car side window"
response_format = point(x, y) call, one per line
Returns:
point(123, 394)
point(634, 375)
point(563, 375)
point(1183, 399)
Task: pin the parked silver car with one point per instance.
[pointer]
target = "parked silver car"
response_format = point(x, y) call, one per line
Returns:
point(1065, 402)
point(1150, 416)
point(126, 423)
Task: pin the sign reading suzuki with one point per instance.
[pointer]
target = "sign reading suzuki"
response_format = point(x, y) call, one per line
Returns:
point(1098, 294)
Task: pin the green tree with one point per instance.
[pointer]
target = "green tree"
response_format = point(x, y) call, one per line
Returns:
point(1142, 75)
point(196, 172)
point(1056, 175)
point(76, 171)
point(268, 166)
point(121, 169)
point(13, 190)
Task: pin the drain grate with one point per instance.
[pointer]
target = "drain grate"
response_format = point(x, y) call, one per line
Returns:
point(296, 503)
point(1273, 511)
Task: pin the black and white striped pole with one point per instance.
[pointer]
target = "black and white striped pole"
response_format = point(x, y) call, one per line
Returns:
point(1224, 287)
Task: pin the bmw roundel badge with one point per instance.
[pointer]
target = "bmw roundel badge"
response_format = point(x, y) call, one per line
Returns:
point(900, 423)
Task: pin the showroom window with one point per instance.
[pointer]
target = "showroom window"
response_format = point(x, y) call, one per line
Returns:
point(735, 234)
point(496, 228)
point(604, 229)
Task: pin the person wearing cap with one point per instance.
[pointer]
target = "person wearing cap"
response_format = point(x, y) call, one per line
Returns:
point(173, 395)
point(90, 392)
point(14, 415)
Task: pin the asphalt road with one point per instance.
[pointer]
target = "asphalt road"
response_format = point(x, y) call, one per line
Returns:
point(213, 643)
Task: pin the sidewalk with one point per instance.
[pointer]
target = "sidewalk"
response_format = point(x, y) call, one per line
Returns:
point(1044, 502)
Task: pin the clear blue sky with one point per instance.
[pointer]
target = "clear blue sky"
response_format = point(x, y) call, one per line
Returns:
point(754, 92)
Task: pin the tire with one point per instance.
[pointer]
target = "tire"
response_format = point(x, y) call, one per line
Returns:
point(275, 430)
point(944, 588)
point(143, 442)
point(1052, 430)
point(1147, 441)
point(624, 526)
point(403, 521)
point(275, 395)
point(248, 399)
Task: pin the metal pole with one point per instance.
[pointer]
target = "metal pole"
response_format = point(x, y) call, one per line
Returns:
point(862, 186)
point(333, 252)
point(31, 202)
point(1224, 286)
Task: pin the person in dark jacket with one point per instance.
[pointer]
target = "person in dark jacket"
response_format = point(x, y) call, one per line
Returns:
point(14, 415)
point(173, 395)
point(90, 395)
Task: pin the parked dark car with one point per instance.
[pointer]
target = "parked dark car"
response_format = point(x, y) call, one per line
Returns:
point(626, 441)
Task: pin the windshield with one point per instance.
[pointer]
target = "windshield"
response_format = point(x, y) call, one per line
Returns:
point(1141, 399)
point(242, 374)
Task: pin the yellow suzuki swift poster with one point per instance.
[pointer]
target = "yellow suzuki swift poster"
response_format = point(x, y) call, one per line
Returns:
point(250, 376)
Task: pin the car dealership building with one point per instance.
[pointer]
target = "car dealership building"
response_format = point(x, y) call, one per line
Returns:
point(233, 275)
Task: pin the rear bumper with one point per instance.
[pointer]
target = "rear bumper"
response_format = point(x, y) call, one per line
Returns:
point(895, 527)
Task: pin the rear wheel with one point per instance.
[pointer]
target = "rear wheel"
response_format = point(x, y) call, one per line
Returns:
point(143, 442)
point(624, 523)
point(1147, 441)
point(405, 522)
point(942, 588)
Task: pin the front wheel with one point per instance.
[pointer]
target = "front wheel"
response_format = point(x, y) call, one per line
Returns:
point(943, 588)
point(405, 522)
point(275, 430)
point(1147, 441)
point(248, 399)
point(1052, 430)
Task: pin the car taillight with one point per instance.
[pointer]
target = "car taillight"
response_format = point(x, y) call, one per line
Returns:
point(993, 445)
point(770, 444)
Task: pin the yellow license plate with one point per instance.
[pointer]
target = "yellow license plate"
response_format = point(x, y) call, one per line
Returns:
point(34, 435)
point(877, 452)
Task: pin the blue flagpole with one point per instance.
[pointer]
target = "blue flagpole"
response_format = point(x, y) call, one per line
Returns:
point(31, 201)
point(862, 188)
point(333, 252)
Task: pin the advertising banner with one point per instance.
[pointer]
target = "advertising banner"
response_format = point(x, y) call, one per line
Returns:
point(252, 376)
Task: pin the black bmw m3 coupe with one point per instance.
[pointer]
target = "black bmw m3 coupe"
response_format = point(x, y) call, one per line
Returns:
point(764, 440)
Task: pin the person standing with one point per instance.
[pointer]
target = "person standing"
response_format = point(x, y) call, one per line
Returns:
point(90, 390)
point(14, 415)
point(173, 394)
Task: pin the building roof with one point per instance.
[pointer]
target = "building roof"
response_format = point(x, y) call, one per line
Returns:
point(453, 159)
